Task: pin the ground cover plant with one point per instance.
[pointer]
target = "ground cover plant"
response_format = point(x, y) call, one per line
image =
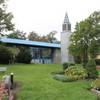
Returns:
point(37, 84)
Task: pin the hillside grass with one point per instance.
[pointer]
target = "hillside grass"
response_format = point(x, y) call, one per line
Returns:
point(37, 83)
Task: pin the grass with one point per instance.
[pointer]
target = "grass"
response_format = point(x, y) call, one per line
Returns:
point(38, 84)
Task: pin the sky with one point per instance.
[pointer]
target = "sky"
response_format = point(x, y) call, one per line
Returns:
point(44, 16)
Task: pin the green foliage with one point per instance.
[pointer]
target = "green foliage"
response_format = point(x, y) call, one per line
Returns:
point(91, 69)
point(71, 64)
point(96, 84)
point(77, 59)
point(97, 61)
point(58, 72)
point(17, 34)
point(37, 84)
point(51, 37)
point(93, 49)
point(98, 97)
point(85, 39)
point(5, 18)
point(5, 55)
point(63, 78)
point(65, 65)
point(24, 56)
point(76, 72)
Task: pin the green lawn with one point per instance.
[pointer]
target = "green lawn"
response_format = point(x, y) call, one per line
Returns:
point(37, 84)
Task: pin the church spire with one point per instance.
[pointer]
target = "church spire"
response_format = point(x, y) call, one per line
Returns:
point(66, 19)
point(66, 24)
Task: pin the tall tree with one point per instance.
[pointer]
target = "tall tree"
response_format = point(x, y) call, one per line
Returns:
point(17, 34)
point(5, 18)
point(33, 36)
point(51, 37)
point(85, 37)
point(45, 38)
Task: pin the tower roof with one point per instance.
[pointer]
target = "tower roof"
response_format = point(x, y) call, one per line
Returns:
point(66, 19)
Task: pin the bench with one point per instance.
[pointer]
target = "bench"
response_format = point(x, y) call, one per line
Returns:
point(3, 69)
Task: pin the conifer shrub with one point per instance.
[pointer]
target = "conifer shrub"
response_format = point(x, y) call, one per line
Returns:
point(5, 55)
point(24, 56)
point(91, 69)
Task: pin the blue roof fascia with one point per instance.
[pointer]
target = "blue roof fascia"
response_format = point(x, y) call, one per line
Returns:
point(30, 43)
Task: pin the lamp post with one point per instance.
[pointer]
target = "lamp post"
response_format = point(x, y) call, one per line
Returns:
point(12, 80)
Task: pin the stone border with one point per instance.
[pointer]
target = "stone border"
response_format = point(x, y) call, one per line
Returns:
point(95, 91)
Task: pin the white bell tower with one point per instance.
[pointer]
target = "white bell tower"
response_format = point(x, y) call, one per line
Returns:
point(65, 41)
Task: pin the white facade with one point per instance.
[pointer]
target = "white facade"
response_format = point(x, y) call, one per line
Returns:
point(65, 41)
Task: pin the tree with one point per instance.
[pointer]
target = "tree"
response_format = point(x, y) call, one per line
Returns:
point(45, 38)
point(17, 34)
point(33, 36)
point(85, 37)
point(51, 37)
point(5, 55)
point(5, 18)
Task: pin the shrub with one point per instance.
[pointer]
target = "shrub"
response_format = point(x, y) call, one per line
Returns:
point(91, 69)
point(63, 78)
point(71, 64)
point(98, 97)
point(58, 72)
point(97, 61)
point(24, 56)
point(5, 55)
point(96, 84)
point(76, 72)
point(65, 65)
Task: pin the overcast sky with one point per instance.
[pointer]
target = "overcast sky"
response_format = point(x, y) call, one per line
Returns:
point(44, 16)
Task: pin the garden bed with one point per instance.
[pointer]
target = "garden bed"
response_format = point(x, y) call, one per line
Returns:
point(9, 95)
point(37, 84)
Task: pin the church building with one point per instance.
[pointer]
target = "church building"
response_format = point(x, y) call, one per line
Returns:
point(58, 53)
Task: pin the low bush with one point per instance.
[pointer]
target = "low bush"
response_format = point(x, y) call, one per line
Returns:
point(91, 69)
point(76, 72)
point(71, 64)
point(96, 84)
point(58, 72)
point(98, 97)
point(5, 55)
point(24, 56)
point(97, 61)
point(63, 78)
point(65, 66)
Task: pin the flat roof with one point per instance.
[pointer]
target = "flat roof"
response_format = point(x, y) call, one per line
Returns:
point(30, 43)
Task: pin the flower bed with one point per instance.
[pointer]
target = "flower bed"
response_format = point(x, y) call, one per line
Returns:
point(3, 91)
